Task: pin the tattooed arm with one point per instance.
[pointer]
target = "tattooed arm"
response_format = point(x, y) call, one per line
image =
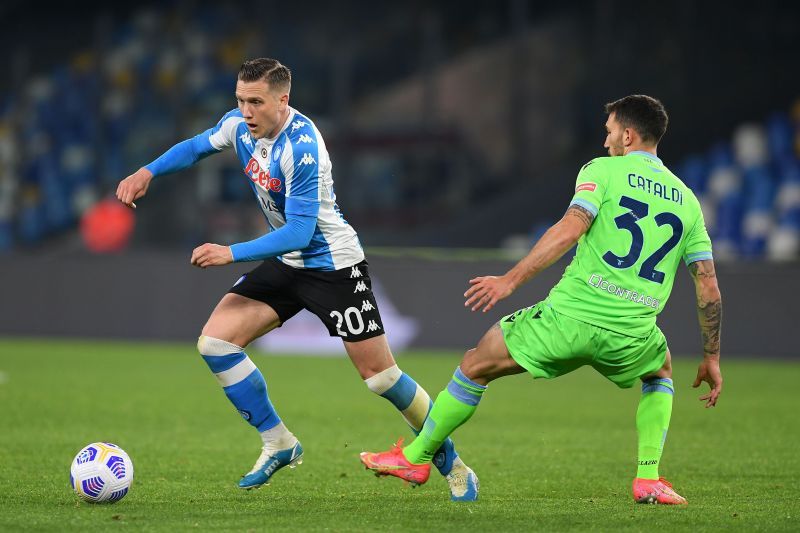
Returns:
point(709, 314)
point(486, 291)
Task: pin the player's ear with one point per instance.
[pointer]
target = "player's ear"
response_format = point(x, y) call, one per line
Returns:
point(627, 136)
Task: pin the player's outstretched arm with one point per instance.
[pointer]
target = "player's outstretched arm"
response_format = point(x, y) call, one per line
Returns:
point(486, 291)
point(709, 314)
point(182, 155)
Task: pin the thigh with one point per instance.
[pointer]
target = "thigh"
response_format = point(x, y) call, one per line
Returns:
point(624, 360)
point(343, 300)
point(271, 283)
point(546, 343)
point(490, 359)
point(239, 320)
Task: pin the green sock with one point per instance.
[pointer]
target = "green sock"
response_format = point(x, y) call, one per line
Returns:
point(652, 423)
point(453, 407)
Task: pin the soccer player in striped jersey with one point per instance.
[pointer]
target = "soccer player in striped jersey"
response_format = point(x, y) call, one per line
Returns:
point(634, 221)
point(311, 259)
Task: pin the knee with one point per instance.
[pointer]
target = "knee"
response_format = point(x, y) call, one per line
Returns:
point(664, 372)
point(475, 367)
point(212, 346)
point(382, 381)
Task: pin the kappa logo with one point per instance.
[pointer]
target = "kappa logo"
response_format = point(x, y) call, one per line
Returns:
point(360, 287)
point(355, 272)
point(373, 326)
point(246, 139)
point(366, 305)
point(305, 138)
point(307, 159)
point(297, 124)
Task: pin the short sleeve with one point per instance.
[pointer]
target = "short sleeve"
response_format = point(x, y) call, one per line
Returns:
point(590, 187)
point(300, 163)
point(698, 243)
point(223, 135)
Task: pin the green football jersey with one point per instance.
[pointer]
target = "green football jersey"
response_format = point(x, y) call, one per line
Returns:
point(646, 221)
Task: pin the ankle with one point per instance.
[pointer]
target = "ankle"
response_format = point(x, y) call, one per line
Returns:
point(278, 437)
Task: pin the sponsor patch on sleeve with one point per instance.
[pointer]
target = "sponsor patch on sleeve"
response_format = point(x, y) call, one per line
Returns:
point(588, 186)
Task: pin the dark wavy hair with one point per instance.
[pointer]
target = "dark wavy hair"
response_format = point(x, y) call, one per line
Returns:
point(642, 113)
point(272, 71)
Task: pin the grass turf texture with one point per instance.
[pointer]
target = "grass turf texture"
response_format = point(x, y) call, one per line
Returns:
point(555, 455)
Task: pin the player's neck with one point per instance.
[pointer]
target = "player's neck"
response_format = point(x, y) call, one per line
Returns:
point(641, 148)
point(281, 123)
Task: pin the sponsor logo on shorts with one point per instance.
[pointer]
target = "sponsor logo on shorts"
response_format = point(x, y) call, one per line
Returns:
point(360, 287)
point(366, 305)
point(597, 281)
point(588, 186)
point(373, 326)
point(355, 272)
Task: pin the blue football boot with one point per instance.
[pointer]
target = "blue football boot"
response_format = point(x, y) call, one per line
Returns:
point(270, 461)
point(462, 480)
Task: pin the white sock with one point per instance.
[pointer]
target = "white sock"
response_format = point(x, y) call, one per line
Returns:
point(278, 437)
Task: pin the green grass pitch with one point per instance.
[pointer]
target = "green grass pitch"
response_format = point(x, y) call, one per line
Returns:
point(551, 456)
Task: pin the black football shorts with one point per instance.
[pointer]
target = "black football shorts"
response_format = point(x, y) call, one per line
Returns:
point(342, 298)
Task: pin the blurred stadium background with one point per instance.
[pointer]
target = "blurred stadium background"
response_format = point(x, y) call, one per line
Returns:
point(456, 130)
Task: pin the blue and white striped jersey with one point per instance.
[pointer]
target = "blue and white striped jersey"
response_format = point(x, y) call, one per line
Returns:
point(295, 164)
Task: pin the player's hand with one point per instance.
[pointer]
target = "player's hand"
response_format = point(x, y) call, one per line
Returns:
point(134, 187)
point(487, 291)
point(709, 372)
point(209, 254)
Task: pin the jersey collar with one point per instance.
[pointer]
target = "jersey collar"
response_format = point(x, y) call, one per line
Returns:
point(645, 154)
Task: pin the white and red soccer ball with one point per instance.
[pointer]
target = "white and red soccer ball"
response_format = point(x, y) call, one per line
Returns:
point(101, 472)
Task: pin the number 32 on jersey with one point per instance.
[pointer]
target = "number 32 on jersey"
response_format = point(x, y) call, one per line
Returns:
point(630, 222)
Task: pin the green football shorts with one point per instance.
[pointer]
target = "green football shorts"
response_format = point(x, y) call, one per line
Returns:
point(549, 344)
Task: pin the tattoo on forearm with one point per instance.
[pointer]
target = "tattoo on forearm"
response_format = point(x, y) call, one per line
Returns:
point(710, 316)
point(582, 213)
point(709, 306)
point(703, 269)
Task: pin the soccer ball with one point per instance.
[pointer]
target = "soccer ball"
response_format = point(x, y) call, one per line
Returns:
point(101, 472)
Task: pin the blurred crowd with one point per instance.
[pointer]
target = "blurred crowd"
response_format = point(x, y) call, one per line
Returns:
point(749, 188)
point(68, 136)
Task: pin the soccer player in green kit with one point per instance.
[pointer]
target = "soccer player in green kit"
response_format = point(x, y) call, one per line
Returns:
point(634, 221)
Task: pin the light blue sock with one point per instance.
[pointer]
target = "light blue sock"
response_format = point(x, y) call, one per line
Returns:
point(414, 404)
point(242, 382)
